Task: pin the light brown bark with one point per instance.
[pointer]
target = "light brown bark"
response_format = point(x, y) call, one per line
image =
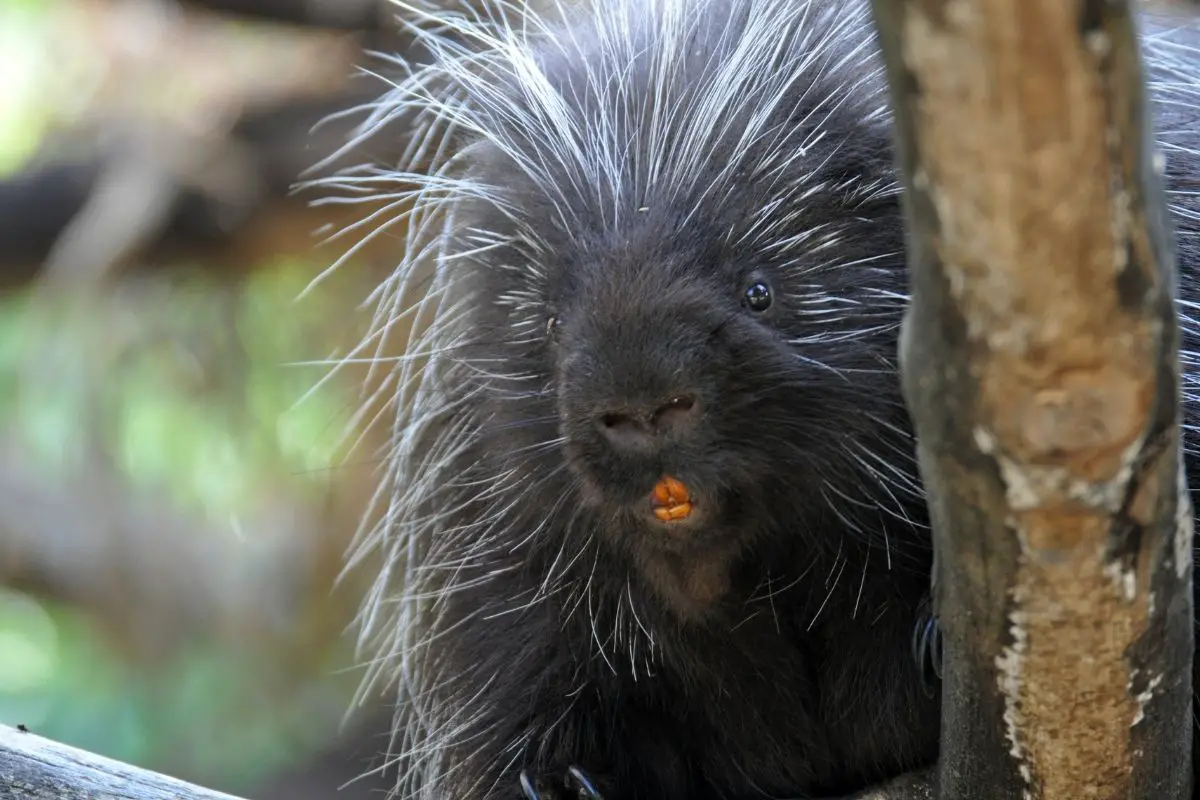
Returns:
point(1040, 361)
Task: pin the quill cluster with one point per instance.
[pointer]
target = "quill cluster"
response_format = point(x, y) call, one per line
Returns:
point(652, 241)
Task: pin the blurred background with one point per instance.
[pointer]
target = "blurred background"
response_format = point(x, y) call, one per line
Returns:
point(181, 470)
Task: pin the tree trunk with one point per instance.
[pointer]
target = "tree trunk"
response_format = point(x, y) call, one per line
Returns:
point(1040, 364)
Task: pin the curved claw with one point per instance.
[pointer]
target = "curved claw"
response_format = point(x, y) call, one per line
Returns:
point(582, 785)
point(935, 650)
point(927, 652)
point(917, 645)
point(527, 787)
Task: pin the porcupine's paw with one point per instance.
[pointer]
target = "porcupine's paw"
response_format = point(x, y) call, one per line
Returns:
point(572, 784)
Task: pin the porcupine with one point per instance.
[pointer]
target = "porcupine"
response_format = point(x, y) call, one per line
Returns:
point(662, 238)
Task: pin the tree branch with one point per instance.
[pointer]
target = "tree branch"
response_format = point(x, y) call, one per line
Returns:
point(1040, 364)
point(348, 15)
point(39, 769)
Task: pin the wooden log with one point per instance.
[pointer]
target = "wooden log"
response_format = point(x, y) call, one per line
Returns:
point(34, 768)
point(1040, 364)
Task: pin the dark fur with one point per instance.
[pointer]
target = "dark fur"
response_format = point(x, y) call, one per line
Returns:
point(783, 617)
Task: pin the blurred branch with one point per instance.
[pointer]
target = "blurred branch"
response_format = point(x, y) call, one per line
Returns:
point(127, 193)
point(344, 15)
point(135, 196)
point(40, 769)
point(73, 217)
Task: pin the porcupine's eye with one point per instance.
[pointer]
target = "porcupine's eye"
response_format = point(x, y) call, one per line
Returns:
point(758, 296)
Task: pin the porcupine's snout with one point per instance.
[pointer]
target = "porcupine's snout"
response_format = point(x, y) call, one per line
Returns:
point(645, 428)
point(638, 384)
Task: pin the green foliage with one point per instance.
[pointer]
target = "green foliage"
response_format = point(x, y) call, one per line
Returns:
point(197, 398)
point(194, 396)
point(60, 680)
point(23, 118)
point(203, 714)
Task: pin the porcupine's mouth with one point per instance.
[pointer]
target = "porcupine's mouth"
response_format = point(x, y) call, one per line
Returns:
point(671, 502)
point(658, 491)
point(675, 506)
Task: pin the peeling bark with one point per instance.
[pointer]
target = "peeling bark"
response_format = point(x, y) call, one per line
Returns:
point(1040, 364)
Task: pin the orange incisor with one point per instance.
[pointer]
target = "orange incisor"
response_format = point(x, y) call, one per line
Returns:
point(671, 500)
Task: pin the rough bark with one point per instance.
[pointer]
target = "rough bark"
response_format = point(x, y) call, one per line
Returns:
point(1040, 363)
point(34, 768)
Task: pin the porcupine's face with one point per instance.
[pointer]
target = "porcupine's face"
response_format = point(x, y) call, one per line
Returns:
point(730, 324)
point(757, 379)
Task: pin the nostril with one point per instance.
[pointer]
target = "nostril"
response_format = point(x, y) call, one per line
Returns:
point(618, 422)
point(677, 411)
point(639, 427)
point(625, 430)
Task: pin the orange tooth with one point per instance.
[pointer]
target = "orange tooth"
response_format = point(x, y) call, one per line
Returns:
point(680, 511)
point(670, 490)
point(671, 499)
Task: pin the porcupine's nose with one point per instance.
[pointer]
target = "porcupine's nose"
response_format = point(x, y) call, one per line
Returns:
point(637, 429)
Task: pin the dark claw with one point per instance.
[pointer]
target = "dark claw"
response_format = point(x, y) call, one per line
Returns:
point(581, 785)
point(574, 784)
point(527, 787)
point(927, 651)
point(935, 650)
